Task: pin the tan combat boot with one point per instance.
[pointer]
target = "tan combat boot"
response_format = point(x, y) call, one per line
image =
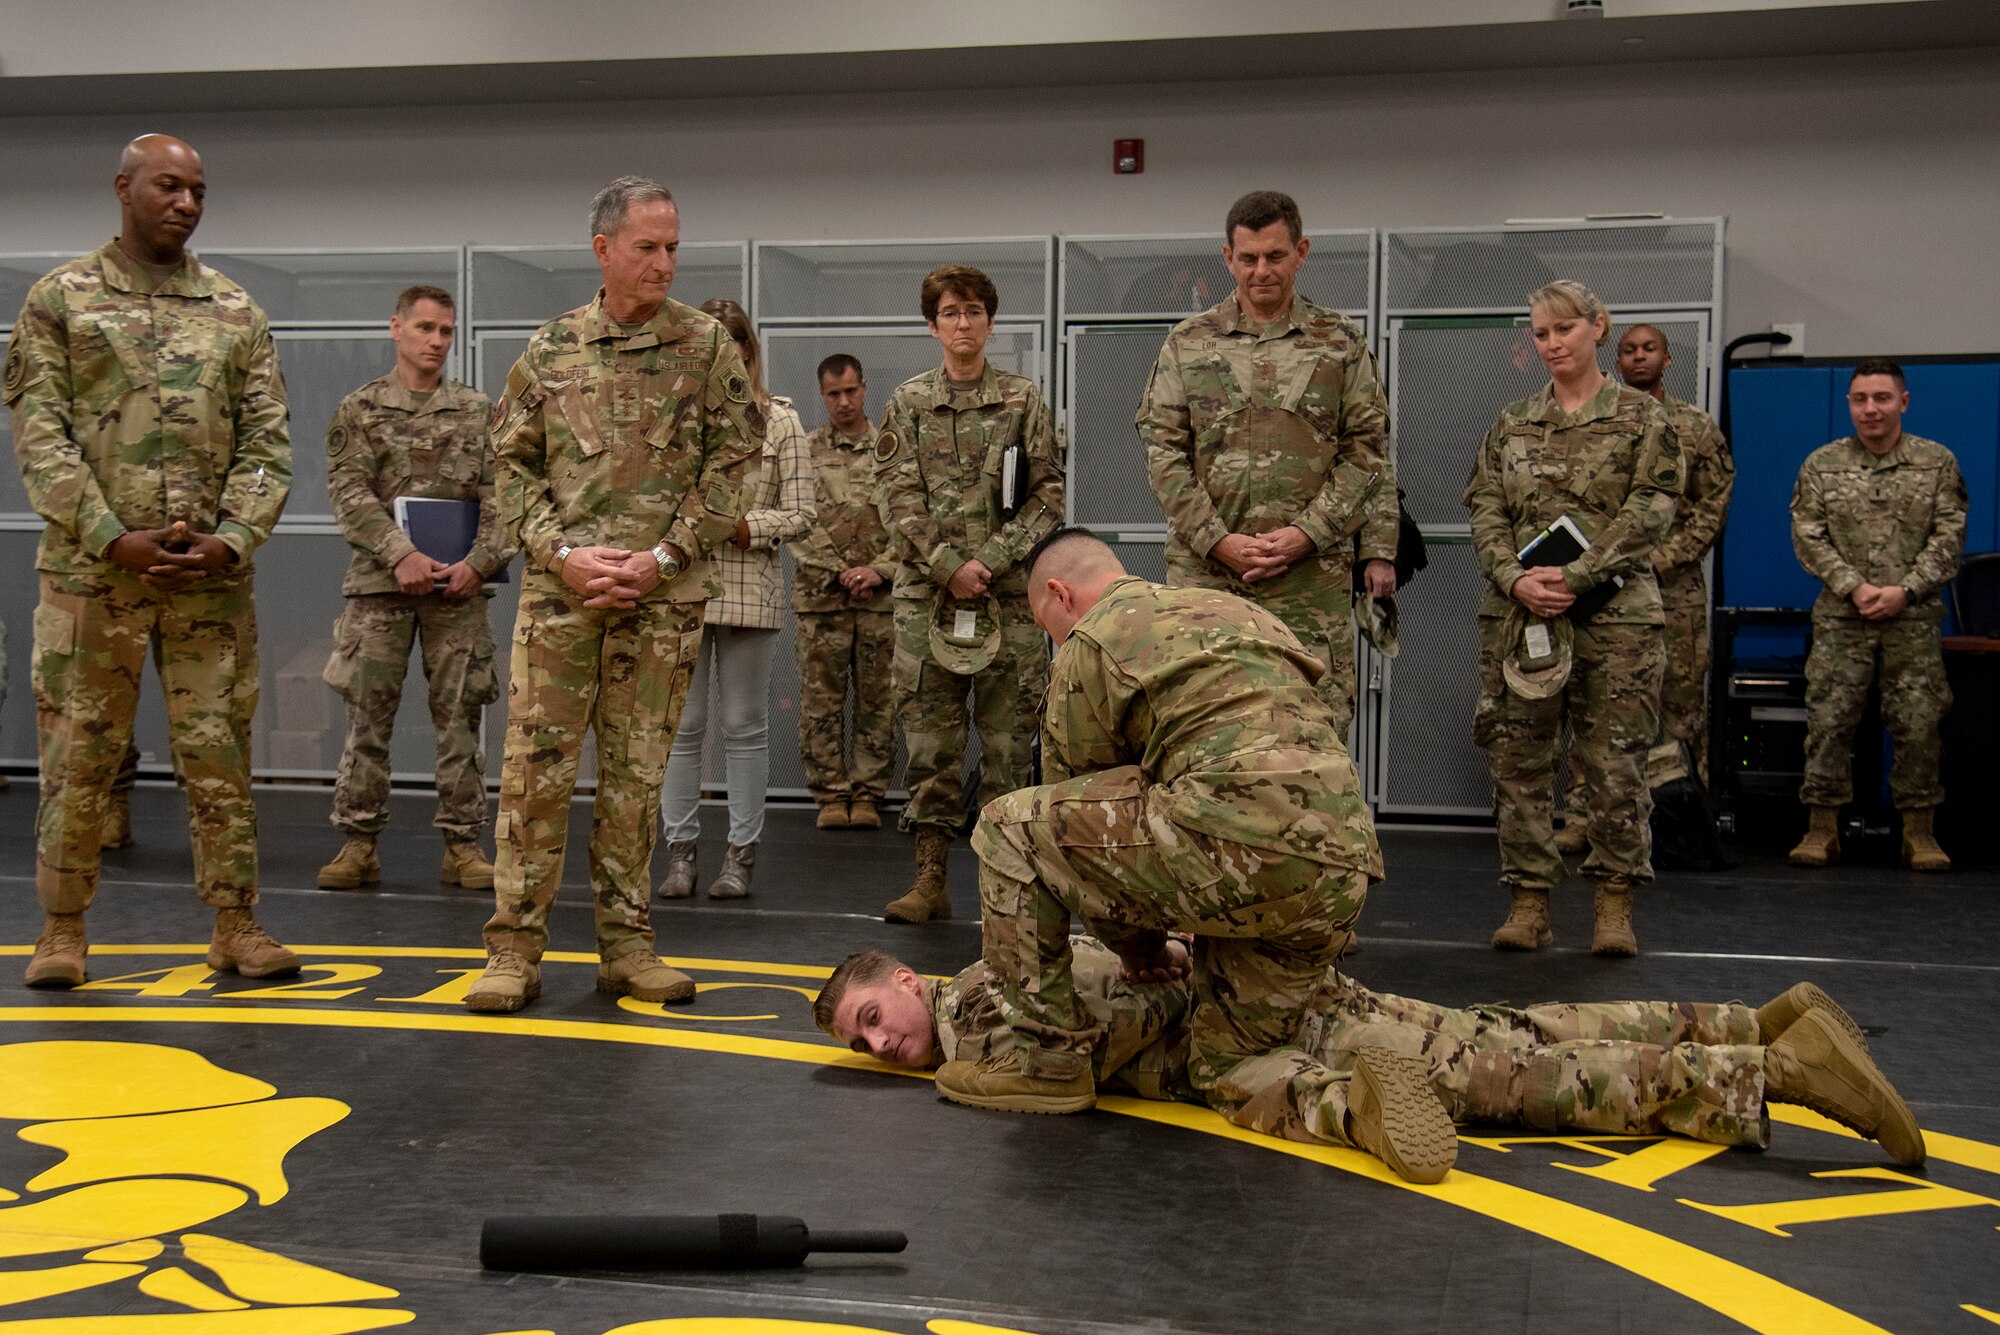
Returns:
point(1052, 1082)
point(1394, 1114)
point(927, 898)
point(1612, 903)
point(1573, 837)
point(1920, 846)
point(733, 881)
point(509, 983)
point(678, 883)
point(1783, 1011)
point(1821, 845)
point(1815, 1064)
point(863, 814)
point(59, 952)
point(241, 946)
point(642, 976)
point(1527, 925)
point(833, 815)
point(117, 829)
point(353, 866)
point(465, 865)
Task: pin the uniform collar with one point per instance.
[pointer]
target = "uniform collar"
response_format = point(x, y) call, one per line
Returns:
point(864, 441)
point(664, 327)
point(1236, 321)
point(1599, 406)
point(123, 275)
point(394, 394)
point(1899, 454)
point(987, 391)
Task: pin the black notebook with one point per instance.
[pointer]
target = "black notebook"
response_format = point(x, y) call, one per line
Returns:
point(1558, 545)
point(443, 530)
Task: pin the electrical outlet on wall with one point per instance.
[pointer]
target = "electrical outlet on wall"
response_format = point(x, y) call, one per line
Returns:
point(1795, 348)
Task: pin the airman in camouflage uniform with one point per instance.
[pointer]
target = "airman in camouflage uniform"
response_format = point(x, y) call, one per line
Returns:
point(1631, 1068)
point(1196, 783)
point(843, 570)
point(1613, 466)
point(944, 441)
point(1710, 477)
point(412, 433)
point(1266, 431)
point(1878, 518)
point(621, 449)
point(149, 417)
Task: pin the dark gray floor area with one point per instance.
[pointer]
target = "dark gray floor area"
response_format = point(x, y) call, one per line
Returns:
point(1041, 1225)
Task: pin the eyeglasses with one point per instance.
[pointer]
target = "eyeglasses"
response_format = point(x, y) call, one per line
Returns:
point(961, 314)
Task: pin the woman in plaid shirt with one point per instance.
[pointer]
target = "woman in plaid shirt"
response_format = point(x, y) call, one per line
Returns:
point(740, 636)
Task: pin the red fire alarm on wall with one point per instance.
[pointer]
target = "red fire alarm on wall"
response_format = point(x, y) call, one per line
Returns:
point(1128, 156)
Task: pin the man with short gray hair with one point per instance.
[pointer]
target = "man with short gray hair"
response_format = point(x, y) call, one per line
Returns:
point(620, 451)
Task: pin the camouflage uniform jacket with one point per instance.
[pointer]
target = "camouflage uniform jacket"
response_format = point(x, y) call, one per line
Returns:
point(1214, 700)
point(134, 408)
point(1891, 519)
point(1251, 428)
point(848, 531)
point(1710, 476)
point(1141, 1028)
point(1613, 466)
point(938, 456)
point(616, 440)
point(383, 443)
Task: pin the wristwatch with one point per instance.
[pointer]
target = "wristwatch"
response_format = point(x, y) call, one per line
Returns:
point(670, 565)
point(562, 555)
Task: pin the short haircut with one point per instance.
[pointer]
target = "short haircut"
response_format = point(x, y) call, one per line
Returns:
point(1258, 210)
point(410, 296)
point(840, 363)
point(961, 281)
point(1568, 299)
point(610, 205)
point(865, 969)
point(1656, 331)
point(1062, 537)
point(1880, 366)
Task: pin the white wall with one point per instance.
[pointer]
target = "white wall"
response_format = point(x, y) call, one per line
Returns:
point(1862, 193)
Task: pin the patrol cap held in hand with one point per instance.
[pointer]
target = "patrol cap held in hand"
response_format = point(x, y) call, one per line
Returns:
point(1538, 654)
point(965, 634)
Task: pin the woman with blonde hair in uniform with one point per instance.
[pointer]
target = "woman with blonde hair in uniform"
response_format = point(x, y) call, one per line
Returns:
point(1581, 638)
point(740, 636)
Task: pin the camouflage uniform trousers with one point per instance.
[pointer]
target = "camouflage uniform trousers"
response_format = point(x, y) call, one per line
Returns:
point(931, 703)
point(836, 649)
point(91, 637)
point(1904, 657)
point(1266, 924)
point(371, 657)
point(1611, 1068)
point(1684, 688)
point(626, 673)
point(1315, 601)
point(1613, 702)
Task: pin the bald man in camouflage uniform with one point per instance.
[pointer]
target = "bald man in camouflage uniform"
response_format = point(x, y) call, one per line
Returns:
point(1266, 435)
point(621, 449)
point(1617, 1068)
point(149, 417)
point(840, 595)
point(413, 432)
point(944, 441)
point(1196, 783)
point(1878, 518)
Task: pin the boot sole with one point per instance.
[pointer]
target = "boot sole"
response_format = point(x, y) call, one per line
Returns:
point(1811, 997)
point(466, 882)
point(1392, 1096)
point(1545, 939)
point(1045, 1105)
point(55, 982)
point(1615, 950)
point(614, 987)
point(348, 882)
point(728, 894)
point(223, 964)
point(486, 1003)
point(1898, 1132)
